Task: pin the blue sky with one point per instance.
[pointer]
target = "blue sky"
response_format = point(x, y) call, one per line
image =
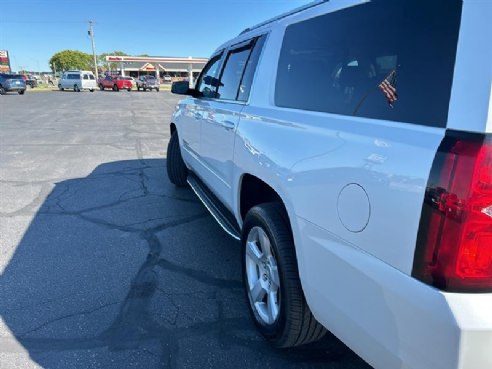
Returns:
point(33, 30)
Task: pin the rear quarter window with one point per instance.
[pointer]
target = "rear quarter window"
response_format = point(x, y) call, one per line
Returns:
point(384, 59)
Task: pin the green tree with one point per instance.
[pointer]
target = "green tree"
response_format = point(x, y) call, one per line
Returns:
point(101, 59)
point(71, 59)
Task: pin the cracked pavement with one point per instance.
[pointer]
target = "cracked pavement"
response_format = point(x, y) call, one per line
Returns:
point(105, 264)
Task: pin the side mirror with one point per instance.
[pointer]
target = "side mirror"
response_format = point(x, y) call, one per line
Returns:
point(181, 88)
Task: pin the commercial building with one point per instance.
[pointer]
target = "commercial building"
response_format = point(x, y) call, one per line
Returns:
point(177, 68)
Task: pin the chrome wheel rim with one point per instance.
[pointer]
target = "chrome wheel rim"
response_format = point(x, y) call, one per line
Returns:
point(262, 275)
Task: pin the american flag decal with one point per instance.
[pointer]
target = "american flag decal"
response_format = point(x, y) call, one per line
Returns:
point(388, 87)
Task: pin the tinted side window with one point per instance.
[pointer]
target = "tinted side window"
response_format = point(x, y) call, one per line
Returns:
point(249, 72)
point(86, 76)
point(383, 59)
point(233, 72)
point(209, 79)
point(73, 76)
point(91, 76)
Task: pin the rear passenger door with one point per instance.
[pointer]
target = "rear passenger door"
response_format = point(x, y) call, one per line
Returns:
point(220, 115)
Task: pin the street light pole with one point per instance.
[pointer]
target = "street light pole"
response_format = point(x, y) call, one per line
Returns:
point(91, 33)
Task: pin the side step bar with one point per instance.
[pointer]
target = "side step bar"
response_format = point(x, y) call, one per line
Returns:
point(221, 214)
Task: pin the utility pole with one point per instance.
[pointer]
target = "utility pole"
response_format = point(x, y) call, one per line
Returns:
point(91, 33)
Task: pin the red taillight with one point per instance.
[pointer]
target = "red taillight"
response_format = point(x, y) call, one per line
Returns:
point(454, 247)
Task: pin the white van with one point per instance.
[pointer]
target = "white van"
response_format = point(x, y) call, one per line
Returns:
point(78, 80)
point(348, 146)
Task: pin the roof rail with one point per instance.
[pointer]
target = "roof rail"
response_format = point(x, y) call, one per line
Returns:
point(284, 15)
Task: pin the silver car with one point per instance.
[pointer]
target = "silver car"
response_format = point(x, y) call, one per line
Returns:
point(148, 83)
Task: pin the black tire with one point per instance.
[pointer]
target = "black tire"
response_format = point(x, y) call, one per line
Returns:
point(76, 88)
point(157, 89)
point(176, 168)
point(115, 88)
point(145, 89)
point(91, 90)
point(60, 88)
point(128, 89)
point(2, 90)
point(138, 88)
point(101, 87)
point(295, 325)
point(21, 92)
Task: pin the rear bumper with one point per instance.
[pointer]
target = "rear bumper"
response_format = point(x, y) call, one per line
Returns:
point(14, 88)
point(89, 86)
point(388, 318)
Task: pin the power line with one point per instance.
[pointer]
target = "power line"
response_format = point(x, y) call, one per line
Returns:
point(40, 21)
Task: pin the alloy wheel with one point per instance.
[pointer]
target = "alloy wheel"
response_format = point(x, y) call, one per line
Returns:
point(262, 276)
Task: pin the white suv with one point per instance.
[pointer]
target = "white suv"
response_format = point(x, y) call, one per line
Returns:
point(348, 145)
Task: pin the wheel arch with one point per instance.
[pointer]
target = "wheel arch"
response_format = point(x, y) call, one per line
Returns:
point(254, 191)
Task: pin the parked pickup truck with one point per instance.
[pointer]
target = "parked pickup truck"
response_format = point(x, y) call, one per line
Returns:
point(148, 83)
point(348, 146)
point(115, 83)
point(30, 81)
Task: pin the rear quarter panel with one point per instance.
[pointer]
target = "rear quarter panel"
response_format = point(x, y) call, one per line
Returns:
point(309, 158)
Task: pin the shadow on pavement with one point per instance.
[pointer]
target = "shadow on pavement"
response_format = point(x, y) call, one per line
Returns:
point(121, 269)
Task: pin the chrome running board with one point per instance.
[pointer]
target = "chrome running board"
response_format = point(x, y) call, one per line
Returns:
point(221, 214)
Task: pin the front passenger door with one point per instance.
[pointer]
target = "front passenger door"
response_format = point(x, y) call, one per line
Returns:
point(64, 81)
point(190, 118)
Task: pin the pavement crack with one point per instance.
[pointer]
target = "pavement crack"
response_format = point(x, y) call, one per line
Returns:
point(199, 275)
point(143, 177)
point(36, 202)
point(138, 149)
point(85, 312)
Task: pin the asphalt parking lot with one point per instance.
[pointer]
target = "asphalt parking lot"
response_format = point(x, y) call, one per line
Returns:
point(105, 264)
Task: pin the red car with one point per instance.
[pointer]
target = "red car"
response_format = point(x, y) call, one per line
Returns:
point(116, 83)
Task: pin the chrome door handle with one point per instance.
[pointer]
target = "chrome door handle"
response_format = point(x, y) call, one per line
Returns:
point(227, 124)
